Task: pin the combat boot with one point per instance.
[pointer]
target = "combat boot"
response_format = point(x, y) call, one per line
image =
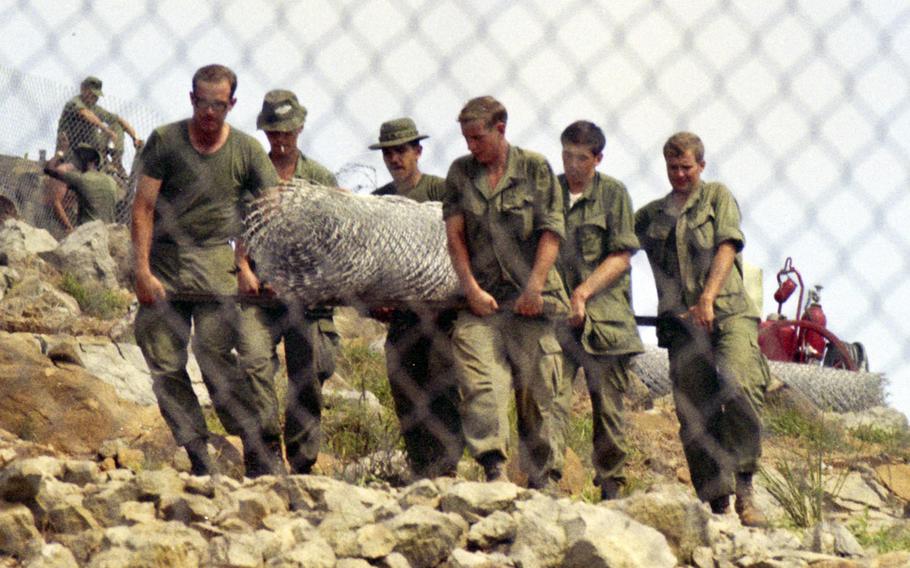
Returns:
point(749, 513)
point(201, 462)
point(262, 457)
point(609, 489)
point(494, 466)
point(719, 505)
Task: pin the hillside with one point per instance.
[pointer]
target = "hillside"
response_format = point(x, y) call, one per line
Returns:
point(89, 475)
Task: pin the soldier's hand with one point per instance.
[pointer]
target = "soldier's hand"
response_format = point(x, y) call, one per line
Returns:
point(137, 143)
point(529, 304)
point(149, 289)
point(247, 281)
point(579, 301)
point(482, 303)
point(702, 313)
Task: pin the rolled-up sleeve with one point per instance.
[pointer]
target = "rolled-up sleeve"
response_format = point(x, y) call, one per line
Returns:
point(549, 212)
point(727, 218)
point(451, 194)
point(621, 224)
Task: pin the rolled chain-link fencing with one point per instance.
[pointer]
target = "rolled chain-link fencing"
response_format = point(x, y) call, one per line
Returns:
point(803, 107)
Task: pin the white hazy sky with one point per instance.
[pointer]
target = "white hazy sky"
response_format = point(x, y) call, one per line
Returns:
point(804, 106)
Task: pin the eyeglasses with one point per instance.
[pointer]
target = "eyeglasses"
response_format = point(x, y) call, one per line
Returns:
point(202, 104)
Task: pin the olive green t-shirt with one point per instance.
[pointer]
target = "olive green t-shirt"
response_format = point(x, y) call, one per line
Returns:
point(681, 249)
point(428, 188)
point(78, 130)
point(599, 224)
point(199, 205)
point(503, 223)
point(96, 193)
point(201, 196)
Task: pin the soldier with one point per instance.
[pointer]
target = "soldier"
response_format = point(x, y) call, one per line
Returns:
point(594, 263)
point(310, 338)
point(196, 173)
point(96, 191)
point(504, 222)
point(709, 326)
point(417, 349)
point(83, 121)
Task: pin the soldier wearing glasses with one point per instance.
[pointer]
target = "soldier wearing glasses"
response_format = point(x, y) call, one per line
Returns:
point(196, 174)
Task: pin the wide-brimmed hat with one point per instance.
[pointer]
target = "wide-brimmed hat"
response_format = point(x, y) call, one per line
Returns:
point(93, 84)
point(397, 132)
point(86, 152)
point(280, 112)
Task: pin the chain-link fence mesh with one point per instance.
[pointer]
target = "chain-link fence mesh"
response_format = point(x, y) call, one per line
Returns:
point(37, 107)
point(803, 106)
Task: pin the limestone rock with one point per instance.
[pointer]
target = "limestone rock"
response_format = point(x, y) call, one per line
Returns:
point(159, 543)
point(673, 511)
point(896, 477)
point(540, 540)
point(473, 500)
point(313, 553)
point(53, 555)
point(425, 536)
point(463, 559)
point(19, 239)
point(85, 255)
point(495, 528)
point(599, 537)
point(18, 535)
point(121, 250)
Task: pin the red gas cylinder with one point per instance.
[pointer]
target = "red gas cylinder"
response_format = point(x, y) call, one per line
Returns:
point(814, 341)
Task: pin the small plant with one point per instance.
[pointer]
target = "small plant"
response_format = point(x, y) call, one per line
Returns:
point(364, 438)
point(93, 299)
point(884, 539)
point(803, 478)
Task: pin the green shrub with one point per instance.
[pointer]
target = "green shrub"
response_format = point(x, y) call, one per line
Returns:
point(95, 300)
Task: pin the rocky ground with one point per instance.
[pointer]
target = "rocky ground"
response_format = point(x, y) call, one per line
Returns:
point(89, 475)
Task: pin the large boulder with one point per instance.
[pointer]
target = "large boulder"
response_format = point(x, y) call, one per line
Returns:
point(64, 405)
point(85, 255)
point(19, 240)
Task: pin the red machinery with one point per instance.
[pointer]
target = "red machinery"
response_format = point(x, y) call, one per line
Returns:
point(805, 338)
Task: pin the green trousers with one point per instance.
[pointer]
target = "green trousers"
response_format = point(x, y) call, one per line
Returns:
point(424, 386)
point(607, 378)
point(163, 333)
point(310, 347)
point(719, 381)
point(499, 356)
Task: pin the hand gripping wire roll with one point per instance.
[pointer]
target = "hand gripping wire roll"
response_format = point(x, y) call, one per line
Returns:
point(321, 245)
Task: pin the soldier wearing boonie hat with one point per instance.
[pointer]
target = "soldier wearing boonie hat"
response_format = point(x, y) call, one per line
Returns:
point(311, 340)
point(417, 348)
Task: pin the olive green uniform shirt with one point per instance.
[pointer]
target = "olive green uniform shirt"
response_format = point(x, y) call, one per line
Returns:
point(313, 171)
point(199, 205)
point(428, 188)
point(599, 224)
point(503, 223)
point(681, 250)
point(96, 193)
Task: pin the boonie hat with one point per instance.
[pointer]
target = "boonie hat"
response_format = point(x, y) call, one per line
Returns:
point(93, 84)
point(397, 132)
point(280, 112)
point(85, 152)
